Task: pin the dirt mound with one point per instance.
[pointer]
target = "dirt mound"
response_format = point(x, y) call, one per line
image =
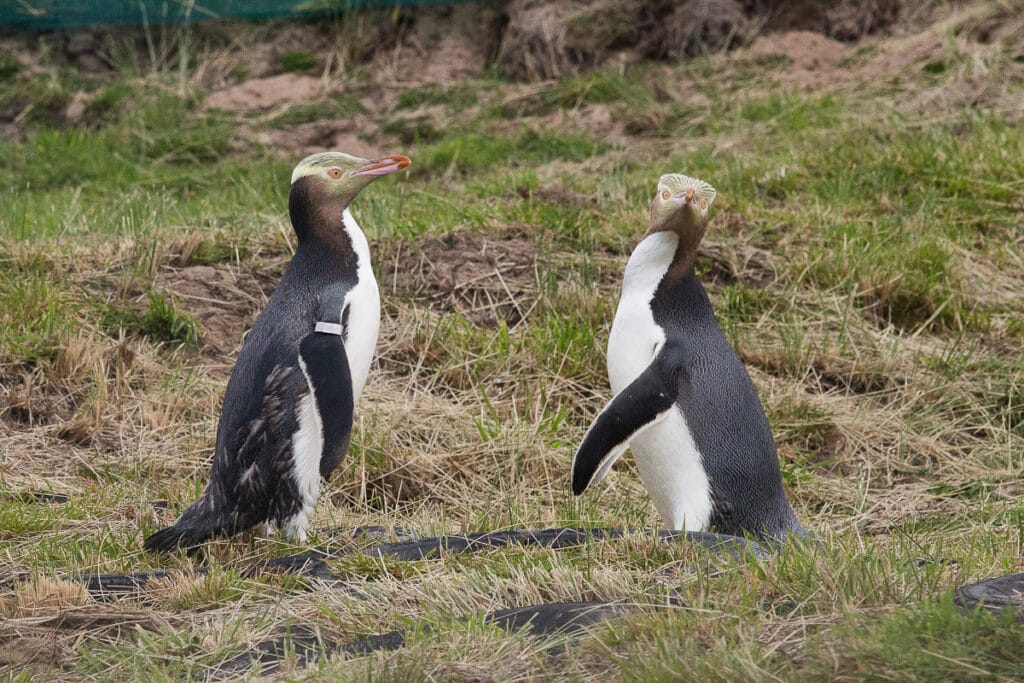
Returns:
point(545, 40)
point(486, 280)
point(809, 58)
point(224, 299)
point(695, 27)
point(805, 50)
point(443, 44)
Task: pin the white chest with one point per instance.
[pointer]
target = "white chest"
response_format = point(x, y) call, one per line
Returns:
point(363, 303)
point(635, 335)
point(670, 464)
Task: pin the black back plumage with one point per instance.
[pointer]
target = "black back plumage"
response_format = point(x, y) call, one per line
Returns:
point(723, 413)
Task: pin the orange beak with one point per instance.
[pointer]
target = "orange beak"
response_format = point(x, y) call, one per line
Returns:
point(383, 166)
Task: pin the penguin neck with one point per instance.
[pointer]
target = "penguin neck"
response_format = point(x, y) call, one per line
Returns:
point(320, 224)
point(662, 257)
point(688, 230)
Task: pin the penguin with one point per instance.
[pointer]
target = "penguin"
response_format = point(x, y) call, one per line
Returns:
point(287, 414)
point(683, 402)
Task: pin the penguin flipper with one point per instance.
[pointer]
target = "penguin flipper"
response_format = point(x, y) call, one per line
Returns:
point(244, 487)
point(326, 365)
point(643, 403)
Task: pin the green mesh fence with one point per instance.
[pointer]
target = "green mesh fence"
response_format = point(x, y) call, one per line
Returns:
point(55, 14)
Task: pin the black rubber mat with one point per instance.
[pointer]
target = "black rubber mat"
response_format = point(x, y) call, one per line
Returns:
point(570, 618)
point(314, 564)
point(997, 594)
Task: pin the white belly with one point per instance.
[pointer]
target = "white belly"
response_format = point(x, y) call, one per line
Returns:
point(307, 448)
point(666, 454)
point(671, 469)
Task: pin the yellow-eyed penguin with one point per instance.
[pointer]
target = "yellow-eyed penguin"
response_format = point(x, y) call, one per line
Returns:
point(683, 401)
point(287, 413)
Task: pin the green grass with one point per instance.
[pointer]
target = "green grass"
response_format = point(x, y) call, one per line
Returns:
point(297, 60)
point(342, 107)
point(162, 321)
point(459, 97)
point(863, 257)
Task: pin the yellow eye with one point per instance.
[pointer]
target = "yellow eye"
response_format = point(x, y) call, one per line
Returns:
point(665, 194)
point(703, 203)
point(334, 173)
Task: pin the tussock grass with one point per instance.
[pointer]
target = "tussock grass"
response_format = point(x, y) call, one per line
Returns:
point(864, 258)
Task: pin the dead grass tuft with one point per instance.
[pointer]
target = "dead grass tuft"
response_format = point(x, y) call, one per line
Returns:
point(851, 20)
point(545, 40)
point(42, 594)
point(697, 27)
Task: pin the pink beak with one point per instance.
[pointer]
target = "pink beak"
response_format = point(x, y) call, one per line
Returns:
point(683, 198)
point(383, 166)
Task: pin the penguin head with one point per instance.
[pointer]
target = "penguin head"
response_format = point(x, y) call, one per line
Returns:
point(324, 184)
point(341, 176)
point(681, 204)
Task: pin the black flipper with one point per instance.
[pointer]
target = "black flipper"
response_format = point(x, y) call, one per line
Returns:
point(251, 482)
point(326, 366)
point(643, 403)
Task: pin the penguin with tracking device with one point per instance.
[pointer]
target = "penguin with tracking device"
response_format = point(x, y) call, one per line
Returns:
point(287, 413)
point(683, 401)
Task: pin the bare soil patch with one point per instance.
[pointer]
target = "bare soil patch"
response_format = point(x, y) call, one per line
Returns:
point(559, 196)
point(263, 93)
point(596, 119)
point(441, 44)
point(225, 300)
point(810, 58)
point(487, 280)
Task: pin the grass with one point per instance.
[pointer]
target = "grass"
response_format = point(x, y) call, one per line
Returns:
point(863, 257)
point(162, 321)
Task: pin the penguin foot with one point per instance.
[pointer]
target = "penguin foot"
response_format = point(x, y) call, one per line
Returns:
point(295, 528)
point(266, 529)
